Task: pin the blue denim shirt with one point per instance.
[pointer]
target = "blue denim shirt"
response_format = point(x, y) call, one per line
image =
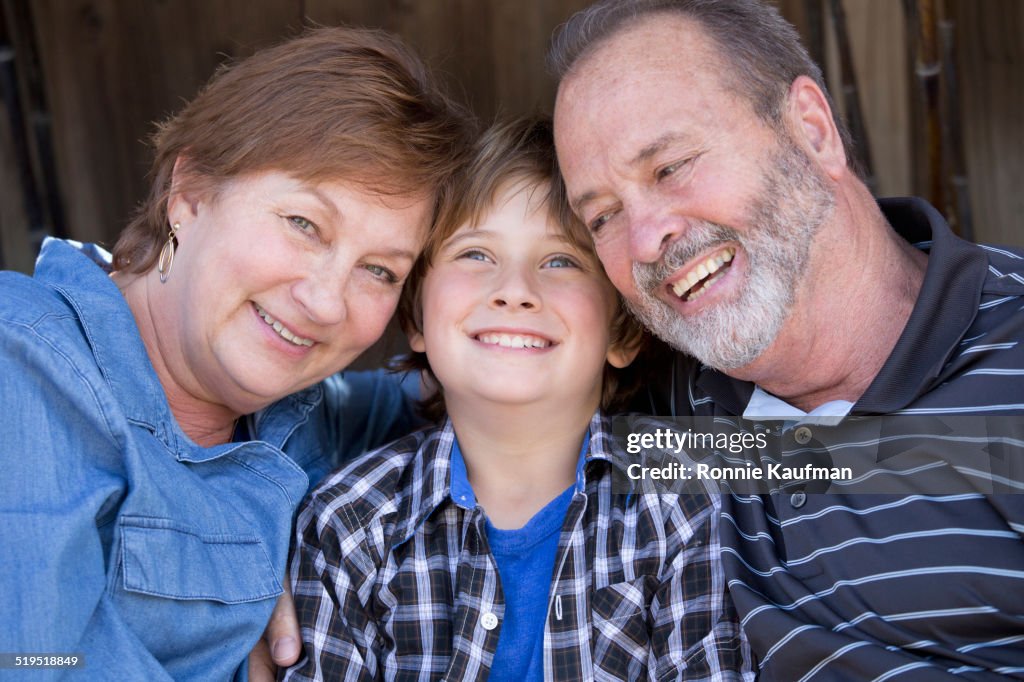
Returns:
point(123, 540)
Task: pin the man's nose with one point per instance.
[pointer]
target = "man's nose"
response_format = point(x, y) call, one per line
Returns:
point(652, 227)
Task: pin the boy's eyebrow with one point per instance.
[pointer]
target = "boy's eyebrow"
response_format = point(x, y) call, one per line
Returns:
point(466, 234)
point(486, 234)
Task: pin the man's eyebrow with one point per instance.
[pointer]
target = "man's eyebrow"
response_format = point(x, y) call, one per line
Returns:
point(658, 145)
point(645, 154)
point(579, 202)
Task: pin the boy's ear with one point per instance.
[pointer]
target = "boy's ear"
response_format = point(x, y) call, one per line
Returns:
point(620, 356)
point(416, 341)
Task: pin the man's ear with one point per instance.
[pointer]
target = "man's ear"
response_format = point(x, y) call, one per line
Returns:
point(810, 119)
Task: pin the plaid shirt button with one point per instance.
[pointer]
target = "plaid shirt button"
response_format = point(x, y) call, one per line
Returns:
point(489, 621)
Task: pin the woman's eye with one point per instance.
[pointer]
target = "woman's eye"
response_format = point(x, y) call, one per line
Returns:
point(382, 273)
point(302, 224)
point(561, 262)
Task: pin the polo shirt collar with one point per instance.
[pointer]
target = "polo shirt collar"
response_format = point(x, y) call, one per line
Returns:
point(945, 309)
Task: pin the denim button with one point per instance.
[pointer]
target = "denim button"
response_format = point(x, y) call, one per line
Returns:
point(803, 435)
point(489, 621)
point(798, 499)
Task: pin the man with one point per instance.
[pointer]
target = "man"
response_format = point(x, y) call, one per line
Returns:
point(698, 144)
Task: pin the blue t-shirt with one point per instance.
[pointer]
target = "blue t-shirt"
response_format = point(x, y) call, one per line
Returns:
point(526, 561)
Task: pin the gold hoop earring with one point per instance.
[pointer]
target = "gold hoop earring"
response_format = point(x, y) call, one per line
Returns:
point(166, 260)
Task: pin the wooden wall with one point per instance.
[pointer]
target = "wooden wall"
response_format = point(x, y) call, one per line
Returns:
point(110, 67)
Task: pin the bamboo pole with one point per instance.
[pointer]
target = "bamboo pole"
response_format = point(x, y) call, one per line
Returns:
point(851, 95)
point(959, 201)
point(928, 71)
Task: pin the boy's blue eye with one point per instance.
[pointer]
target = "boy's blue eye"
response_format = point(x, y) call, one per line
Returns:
point(561, 262)
point(474, 254)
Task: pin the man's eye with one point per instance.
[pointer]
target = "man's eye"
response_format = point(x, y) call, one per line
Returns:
point(597, 223)
point(672, 168)
point(302, 224)
point(668, 170)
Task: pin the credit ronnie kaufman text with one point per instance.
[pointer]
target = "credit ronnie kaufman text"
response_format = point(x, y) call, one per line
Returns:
point(679, 472)
point(900, 454)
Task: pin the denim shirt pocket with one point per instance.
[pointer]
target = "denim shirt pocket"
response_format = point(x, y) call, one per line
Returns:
point(164, 558)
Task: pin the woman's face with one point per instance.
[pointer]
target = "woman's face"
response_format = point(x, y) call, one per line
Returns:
point(278, 283)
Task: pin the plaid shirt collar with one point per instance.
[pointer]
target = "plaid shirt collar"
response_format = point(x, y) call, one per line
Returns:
point(434, 469)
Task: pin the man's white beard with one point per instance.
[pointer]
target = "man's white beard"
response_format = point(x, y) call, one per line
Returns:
point(783, 221)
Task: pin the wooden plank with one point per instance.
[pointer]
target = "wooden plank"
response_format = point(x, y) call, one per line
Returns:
point(490, 52)
point(877, 35)
point(14, 242)
point(991, 78)
point(114, 67)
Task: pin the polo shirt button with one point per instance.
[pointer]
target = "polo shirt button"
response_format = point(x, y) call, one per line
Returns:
point(798, 499)
point(489, 621)
point(803, 435)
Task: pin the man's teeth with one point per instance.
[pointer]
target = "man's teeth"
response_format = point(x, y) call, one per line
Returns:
point(703, 271)
point(514, 340)
point(282, 330)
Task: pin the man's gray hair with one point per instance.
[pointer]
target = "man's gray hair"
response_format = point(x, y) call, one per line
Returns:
point(763, 49)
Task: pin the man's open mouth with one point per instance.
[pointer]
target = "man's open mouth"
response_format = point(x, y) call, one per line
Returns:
point(696, 282)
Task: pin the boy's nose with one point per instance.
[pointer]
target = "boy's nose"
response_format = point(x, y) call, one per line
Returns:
point(515, 291)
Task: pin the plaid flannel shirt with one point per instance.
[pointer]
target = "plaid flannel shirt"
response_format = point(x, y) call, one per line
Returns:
point(393, 579)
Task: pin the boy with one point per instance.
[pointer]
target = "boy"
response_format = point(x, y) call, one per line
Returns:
point(491, 546)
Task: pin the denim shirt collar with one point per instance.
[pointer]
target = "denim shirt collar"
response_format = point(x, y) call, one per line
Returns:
point(80, 273)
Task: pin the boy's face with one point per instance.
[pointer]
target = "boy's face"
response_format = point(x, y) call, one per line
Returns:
point(514, 314)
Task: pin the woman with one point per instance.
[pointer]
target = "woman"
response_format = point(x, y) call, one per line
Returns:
point(164, 418)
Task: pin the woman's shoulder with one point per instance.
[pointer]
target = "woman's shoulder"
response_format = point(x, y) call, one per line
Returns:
point(26, 301)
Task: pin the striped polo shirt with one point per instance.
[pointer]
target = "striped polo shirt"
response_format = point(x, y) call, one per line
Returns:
point(925, 586)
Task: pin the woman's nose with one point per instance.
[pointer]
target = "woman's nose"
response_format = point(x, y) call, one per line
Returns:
point(321, 294)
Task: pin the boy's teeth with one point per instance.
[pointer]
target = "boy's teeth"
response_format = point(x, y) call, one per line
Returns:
point(703, 270)
point(282, 330)
point(514, 340)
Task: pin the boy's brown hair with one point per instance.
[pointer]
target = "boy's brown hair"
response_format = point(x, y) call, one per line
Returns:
point(521, 151)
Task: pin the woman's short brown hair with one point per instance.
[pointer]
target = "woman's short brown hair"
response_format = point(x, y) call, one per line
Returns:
point(521, 151)
point(332, 104)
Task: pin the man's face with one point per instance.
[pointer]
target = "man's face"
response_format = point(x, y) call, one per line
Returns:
point(702, 214)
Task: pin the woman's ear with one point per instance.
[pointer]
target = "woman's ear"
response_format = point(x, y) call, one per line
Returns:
point(183, 198)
